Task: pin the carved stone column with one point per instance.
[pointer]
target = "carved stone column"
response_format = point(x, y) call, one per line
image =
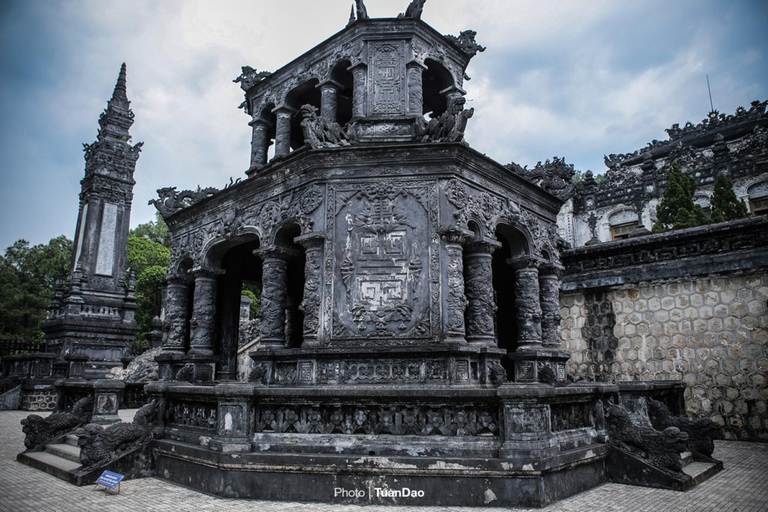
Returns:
point(176, 305)
point(549, 298)
point(415, 88)
point(203, 311)
point(456, 300)
point(359, 73)
point(313, 275)
point(274, 294)
point(478, 284)
point(283, 131)
point(259, 142)
point(527, 302)
point(329, 100)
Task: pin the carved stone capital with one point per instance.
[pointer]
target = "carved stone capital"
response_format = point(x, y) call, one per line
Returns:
point(276, 253)
point(455, 235)
point(259, 123)
point(310, 240)
point(481, 246)
point(525, 262)
point(206, 272)
point(547, 269)
point(330, 84)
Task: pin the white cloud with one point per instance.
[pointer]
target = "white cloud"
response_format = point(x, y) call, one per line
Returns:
point(575, 79)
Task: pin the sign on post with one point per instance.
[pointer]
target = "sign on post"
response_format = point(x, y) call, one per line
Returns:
point(110, 480)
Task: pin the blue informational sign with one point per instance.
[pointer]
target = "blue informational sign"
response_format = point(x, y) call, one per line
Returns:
point(109, 479)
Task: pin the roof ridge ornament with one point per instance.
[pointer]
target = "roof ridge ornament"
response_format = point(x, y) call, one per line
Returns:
point(414, 10)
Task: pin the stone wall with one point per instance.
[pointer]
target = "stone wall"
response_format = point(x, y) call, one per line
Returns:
point(680, 321)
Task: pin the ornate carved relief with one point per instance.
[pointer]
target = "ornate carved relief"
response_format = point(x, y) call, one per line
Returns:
point(386, 262)
point(265, 217)
point(378, 419)
point(386, 74)
point(192, 414)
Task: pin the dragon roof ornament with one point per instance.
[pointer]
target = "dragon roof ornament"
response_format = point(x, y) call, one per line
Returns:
point(714, 121)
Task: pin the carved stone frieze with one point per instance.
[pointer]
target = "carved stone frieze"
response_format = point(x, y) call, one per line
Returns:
point(265, 217)
point(383, 419)
point(192, 414)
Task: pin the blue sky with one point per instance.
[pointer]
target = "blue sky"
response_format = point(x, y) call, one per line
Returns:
point(576, 79)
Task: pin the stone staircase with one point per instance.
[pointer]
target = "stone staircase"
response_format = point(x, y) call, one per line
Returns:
point(699, 471)
point(626, 468)
point(60, 459)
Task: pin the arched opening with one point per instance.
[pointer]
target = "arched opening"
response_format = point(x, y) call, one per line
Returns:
point(294, 318)
point(342, 76)
point(513, 245)
point(270, 119)
point(305, 94)
point(242, 271)
point(435, 79)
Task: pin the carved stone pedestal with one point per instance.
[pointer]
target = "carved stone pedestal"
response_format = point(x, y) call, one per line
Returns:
point(529, 366)
point(199, 369)
point(106, 401)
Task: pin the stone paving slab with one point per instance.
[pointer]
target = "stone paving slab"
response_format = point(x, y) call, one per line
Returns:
point(741, 487)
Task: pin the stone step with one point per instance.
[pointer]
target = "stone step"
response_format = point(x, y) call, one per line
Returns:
point(65, 451)
point(700, 471)
point(71, 440)
point(51, 464)
point(687, 458)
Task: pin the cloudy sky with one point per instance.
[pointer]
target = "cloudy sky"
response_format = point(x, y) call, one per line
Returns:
point(577, 79)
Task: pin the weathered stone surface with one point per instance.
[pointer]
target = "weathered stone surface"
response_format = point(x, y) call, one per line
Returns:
point(626, 323)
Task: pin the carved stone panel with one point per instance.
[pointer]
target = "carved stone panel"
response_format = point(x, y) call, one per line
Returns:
point(386, 76)
point(385, 255)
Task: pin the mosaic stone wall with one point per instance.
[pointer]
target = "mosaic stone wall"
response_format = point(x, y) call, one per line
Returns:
point(39, 400)
point(711, 332)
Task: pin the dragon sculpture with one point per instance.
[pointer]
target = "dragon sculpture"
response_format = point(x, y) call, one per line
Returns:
point(99, 445)
point(701, 433)
point(659, 448)
point(41, 431)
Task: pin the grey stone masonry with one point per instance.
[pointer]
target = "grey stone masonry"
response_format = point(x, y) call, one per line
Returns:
point(690, 305)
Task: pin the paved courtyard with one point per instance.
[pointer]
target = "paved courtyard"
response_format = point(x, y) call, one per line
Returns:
point(742, 486)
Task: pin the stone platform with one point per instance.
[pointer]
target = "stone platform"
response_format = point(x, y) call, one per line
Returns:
point(742, 485)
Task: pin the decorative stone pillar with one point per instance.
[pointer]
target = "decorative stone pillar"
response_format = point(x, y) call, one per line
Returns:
point(106, 401)
point(359, 72)
point(203, 311)
point(456, 300)
point(527, 302)
point(259, 143)
point(329, 100)
point(549, 298)
point(274, 294)
point(312, 302)
point(414, 72)
point(478, 287)
point(283, 131)
point(176, 302)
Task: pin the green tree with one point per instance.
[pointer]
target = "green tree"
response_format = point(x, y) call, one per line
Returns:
point(677, 209)
point(154, 231)
point(253, 293)
point(149, 260)
point(27, 280)
point(724, 204)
